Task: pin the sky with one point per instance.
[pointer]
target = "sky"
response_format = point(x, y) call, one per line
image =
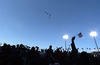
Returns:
point(25, 22)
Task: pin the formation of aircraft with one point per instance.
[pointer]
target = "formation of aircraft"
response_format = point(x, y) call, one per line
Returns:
point(48, 14)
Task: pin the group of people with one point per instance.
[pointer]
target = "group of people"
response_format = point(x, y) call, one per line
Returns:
point(21, 55)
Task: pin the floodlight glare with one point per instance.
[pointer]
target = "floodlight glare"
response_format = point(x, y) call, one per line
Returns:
point(93, 33)
point(65, 36)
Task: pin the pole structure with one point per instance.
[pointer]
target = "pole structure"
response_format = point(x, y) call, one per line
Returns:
point(96, 43)
point(65, 44)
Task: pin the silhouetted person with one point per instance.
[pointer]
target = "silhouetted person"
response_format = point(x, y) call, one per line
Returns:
point(50, 51)
point(37, 51)
point(17, 47)
point(58, 55)
point(4, 48)
point(32, 53)
point(83, 59)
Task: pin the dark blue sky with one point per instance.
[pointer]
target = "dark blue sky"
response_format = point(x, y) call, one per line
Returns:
point(25, 22)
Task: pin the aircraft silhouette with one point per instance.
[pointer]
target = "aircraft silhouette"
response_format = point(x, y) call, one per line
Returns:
point(48, 13)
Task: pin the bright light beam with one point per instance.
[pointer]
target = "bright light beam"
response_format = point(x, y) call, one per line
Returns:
point(65, 36)
point(93, 33)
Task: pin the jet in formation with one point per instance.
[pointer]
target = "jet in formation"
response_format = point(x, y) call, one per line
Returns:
point(48, 14)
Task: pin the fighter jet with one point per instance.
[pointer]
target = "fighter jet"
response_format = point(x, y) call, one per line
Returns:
point(48, 14)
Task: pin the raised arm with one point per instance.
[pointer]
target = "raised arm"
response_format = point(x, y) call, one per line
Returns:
point(73, 44)
point(74, 50)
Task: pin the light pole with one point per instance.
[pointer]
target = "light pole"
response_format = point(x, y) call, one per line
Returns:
point(65, 37)
point(93, 33)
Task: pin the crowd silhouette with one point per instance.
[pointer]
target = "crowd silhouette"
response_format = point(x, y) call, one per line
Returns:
point(23, 55)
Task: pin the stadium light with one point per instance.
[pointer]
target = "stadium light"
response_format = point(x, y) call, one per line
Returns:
point(93, 34)
point(65, 37)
